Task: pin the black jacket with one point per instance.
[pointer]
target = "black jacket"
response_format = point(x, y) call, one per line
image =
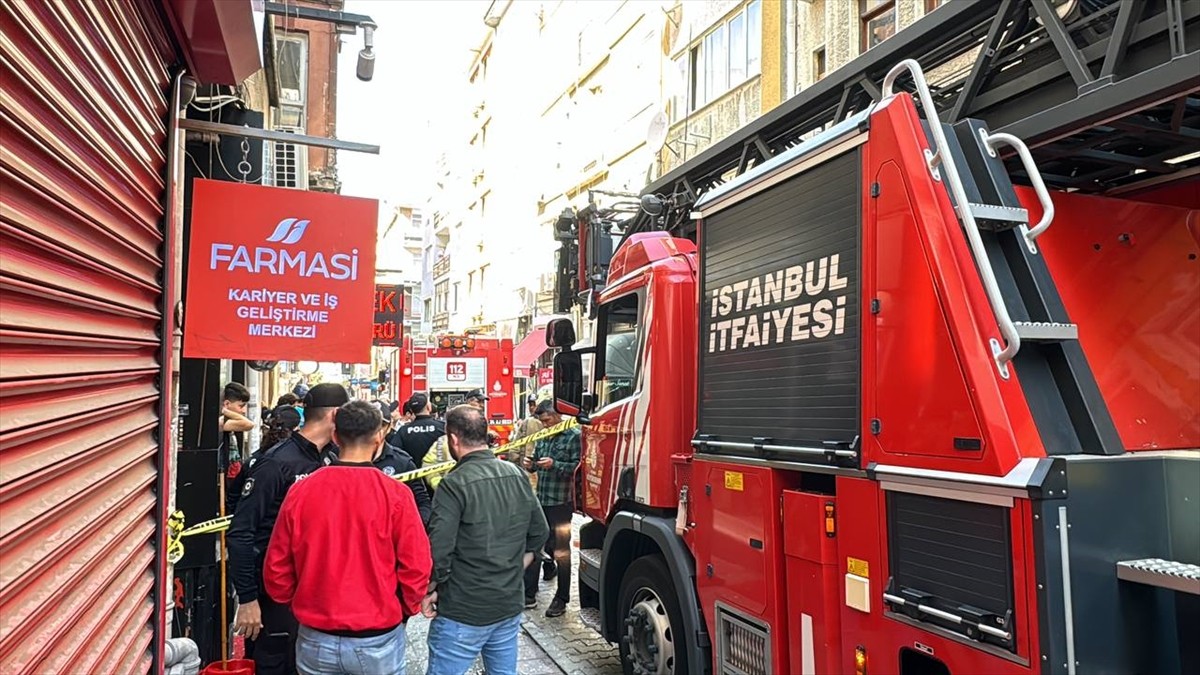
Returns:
point(258, 505)
point(418, 436)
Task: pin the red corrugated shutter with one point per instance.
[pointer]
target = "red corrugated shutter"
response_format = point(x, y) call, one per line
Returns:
point(82, 122)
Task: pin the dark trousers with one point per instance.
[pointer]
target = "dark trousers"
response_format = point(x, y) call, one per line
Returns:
point(274, 651)
point(558, 545)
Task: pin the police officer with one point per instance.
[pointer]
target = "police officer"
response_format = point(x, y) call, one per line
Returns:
point(271, 626)
point(418, 436)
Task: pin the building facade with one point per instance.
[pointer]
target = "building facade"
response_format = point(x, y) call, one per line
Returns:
point(306, 71)
point(566, 102)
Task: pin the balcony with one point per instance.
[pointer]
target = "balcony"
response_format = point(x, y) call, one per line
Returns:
point(441, 267)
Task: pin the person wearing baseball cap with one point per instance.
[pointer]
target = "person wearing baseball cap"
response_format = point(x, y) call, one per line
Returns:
point(419, 435)
point(477, 398)
point(269, 625)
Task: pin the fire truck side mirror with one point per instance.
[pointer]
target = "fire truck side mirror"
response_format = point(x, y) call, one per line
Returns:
point(560, 333)
point(568, 384)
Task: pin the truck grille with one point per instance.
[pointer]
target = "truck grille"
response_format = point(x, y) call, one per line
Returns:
point(743, 645)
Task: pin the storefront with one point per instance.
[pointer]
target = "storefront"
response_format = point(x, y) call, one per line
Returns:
point(89, 269)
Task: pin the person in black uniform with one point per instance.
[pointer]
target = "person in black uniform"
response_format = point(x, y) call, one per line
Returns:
point(416, 437)
point(271, 626)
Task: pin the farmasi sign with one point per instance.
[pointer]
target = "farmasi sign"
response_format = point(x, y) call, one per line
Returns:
point(279, 274)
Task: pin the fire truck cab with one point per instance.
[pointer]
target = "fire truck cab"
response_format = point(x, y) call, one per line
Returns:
point(882, 410)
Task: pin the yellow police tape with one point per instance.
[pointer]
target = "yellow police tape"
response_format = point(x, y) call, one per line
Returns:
point(176, 531)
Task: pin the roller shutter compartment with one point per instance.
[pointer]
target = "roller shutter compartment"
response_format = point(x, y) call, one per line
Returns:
point(82, 118)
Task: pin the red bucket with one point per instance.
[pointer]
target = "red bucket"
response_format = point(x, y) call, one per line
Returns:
point(231, 667)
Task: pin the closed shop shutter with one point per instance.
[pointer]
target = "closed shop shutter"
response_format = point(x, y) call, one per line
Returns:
point(82, 121)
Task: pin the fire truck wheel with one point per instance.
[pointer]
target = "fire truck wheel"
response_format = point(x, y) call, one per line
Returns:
point(651, 620)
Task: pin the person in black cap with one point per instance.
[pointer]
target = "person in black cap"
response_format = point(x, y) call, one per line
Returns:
point(271, 626)
point(478, 398)
point(418, 436)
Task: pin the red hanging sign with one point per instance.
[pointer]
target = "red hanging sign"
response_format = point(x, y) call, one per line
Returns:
point(279, 274)
point(389, 316)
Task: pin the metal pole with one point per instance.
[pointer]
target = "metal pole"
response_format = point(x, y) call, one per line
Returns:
point(276, 136)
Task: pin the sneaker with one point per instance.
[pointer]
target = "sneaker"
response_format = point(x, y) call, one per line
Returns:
point(556, 608)
point(549, 570)
point(530, 603)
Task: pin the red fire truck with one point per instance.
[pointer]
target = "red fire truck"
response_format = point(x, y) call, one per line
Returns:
point(869, 407)
point(455, 365)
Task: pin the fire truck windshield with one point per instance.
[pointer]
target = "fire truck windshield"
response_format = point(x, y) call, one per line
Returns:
point(620, 351)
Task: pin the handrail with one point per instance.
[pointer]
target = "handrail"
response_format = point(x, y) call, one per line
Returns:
point(1035, 176)
point(954, 183)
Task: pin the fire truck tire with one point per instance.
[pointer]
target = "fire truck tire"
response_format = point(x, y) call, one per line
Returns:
point(651, 630)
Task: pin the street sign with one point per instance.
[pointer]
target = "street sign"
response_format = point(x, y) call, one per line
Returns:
point(388, 330)
point(279, 274)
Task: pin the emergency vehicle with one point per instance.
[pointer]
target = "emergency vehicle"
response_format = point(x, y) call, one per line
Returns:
point(879, 389)
point(455, 365)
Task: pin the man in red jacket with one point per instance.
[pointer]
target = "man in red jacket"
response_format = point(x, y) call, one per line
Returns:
point(350, 555)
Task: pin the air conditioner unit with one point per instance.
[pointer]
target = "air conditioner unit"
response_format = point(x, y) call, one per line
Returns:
point(286, 163)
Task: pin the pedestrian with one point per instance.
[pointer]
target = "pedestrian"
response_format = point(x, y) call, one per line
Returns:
point(418, 436)
point(270, 626)
point(235, 400)
point(288, 399)
point(485, 529)
point(393, 461)
point(555, 460)
point(350, 557)
point(528, 427)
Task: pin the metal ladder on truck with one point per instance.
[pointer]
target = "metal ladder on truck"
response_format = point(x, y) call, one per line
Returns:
point(1041, 340)
point(1037, 335)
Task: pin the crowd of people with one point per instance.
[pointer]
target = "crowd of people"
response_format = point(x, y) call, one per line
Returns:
point(330, 555)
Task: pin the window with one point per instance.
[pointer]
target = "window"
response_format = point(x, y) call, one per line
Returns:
point(619, 379)
point(878, 21)
point(754, 38)
point(454, 300)
point(291, 67)
point(931, 5)
point(440, 298)
point(819, 64)
point(482, 272)
point(729, 55)
point(737, 48)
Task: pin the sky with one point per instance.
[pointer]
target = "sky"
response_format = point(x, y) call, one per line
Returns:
point(422, 52)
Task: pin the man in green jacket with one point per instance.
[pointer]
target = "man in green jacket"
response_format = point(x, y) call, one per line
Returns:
point(485, 529)
point(555, 460)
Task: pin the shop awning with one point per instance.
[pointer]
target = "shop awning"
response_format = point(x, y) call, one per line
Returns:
point(529, 350)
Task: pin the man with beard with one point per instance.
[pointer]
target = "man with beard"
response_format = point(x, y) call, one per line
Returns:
point(486, 528)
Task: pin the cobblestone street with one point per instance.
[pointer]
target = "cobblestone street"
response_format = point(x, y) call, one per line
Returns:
point(576, 648)
point(563, 645)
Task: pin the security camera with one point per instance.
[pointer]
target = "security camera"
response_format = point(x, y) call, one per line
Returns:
point(366, 56)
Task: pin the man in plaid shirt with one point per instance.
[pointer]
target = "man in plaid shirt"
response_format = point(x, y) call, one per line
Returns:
point(554, 460)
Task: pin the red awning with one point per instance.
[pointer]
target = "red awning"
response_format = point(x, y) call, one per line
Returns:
point(530, 350)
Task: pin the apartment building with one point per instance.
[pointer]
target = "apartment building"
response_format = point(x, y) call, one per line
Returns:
point(566, 100)
point(305, 66)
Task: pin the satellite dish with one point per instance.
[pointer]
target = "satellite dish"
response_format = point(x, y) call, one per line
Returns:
point(656, 135)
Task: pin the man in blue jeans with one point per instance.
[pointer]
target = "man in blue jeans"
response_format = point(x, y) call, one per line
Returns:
point(486, 527)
